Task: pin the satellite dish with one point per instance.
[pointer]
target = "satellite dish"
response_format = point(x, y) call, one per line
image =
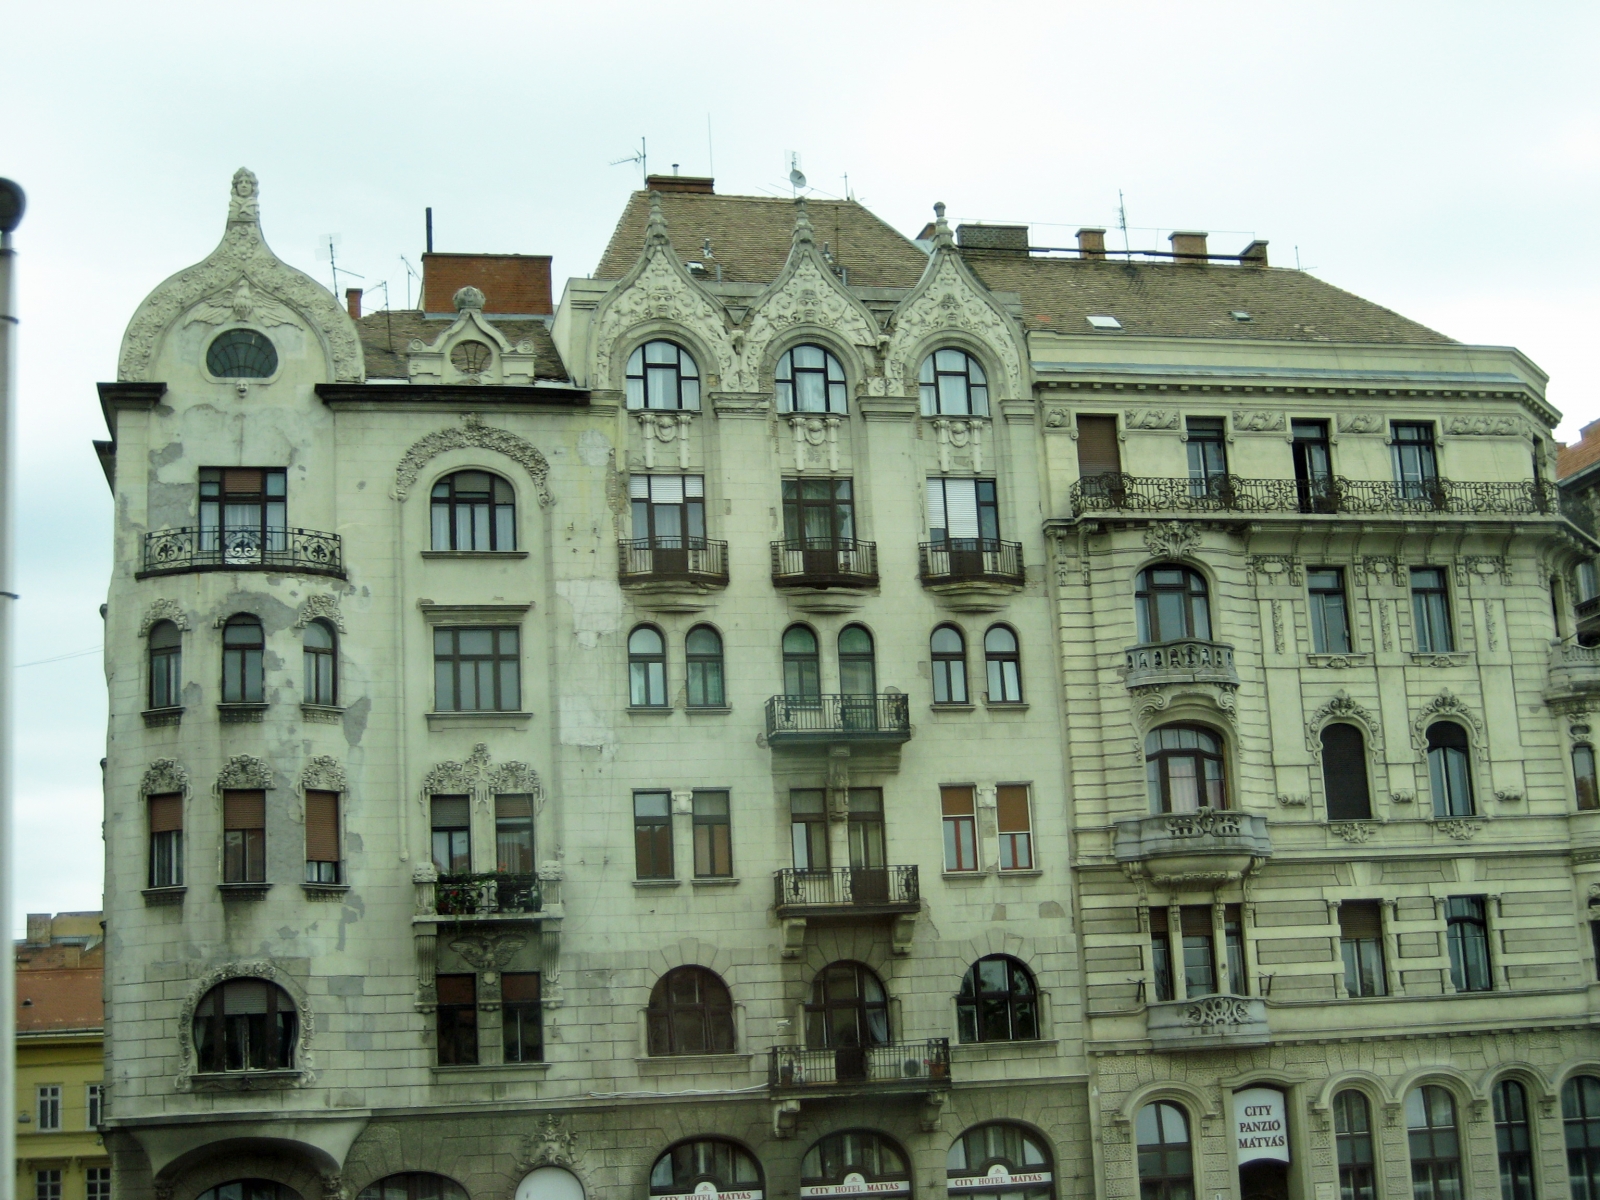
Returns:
point(796, 179)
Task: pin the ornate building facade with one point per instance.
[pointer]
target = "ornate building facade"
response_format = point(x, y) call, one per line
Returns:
point(818, 712)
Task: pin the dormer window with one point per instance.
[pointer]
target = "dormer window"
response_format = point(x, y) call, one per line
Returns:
point(662, 374)
point(241, 354)
point(471, 358)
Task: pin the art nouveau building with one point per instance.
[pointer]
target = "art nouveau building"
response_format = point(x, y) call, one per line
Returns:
point(818, 712)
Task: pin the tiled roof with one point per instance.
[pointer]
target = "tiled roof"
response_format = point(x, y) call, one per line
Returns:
point(751, 235)
point(1183, 300)
point(48, 1001)
point(386, 334)
point(1583, 453)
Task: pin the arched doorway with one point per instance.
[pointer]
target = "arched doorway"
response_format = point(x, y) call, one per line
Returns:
point(549, 1183)
point(854, 1162)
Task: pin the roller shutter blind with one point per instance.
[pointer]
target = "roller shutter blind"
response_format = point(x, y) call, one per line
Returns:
point(1098, 451)
point(166, 813)
point(244, 810)
point(322, 826)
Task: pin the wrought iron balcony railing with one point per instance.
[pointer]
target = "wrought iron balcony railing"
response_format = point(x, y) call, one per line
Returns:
point(1184, 660)
point(881, 718)
point(486, 894)
point(825, 562)
point(211, 548)
point(847, 889)
point(1119, 493)
point(900, 1065)
point(970, 560)
point(673, 560)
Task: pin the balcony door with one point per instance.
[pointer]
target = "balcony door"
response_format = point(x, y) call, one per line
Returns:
point(1416, 463)
point(819, 520)
point(964, 517)
point(848, 1014)
point(242, 513)
point(669, 517)
point(869, 873)
point(1313, 466)
point(858, 679)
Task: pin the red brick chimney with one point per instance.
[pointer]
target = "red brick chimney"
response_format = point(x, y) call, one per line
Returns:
point(1189, 246)
point(698, 185)
point(1091, 243)
point(352, 301)
point(513, 285)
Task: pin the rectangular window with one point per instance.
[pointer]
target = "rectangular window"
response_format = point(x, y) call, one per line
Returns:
point(669, 511)
point(457, 1017)
point(98, 1183)
point(963, 513)
point(452, 835)
point(1313, 465)
point(1583, 776)
point(1233, 944)
point(1361, 946)
point(960, 829)
point(865, 827)
point(1016, 828)
point(242, 512)
point(1467, 932)
point(1161, 954)
point(47, 1185)
point(1199, 951)
point(1416, 465)
point(1330, 621)
point(49, 1109)
point(520, 1020)
point(820, 513)
point(808, 828)
point(476, 670)
point(94, 1097)
point(166, 840)
point(322, 837)
point(713, 836)
point(1208, 455)
point(652, 835)
point(513, 834)
point(244, 837)
point(1430, 608)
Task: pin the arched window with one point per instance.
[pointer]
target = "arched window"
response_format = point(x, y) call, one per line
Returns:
point(802, 666)
point(953, 384)
point(1449, 770)
point(848, 1008)
point(1000, 1159)
point(726, 1166)
point(1352, 1129)
point(1004, 662)
point(690, 1012)
point(241, 354)
point(647, 668)
point(856, 1156)
point(250, 1189)
point(1166, 1159)
point(1513, 1133)
point(1583, 773)
point(549, 1183)
point(1580, 1114)
point(949, 665)
point(320, 665)
point(1183, 769)
point(414, 1185)
point(1435, 1144)
point(1171, 603)
point(858, 672)
point(661, 374)
point(242, 645)
point(245, 1025)
point(810, 379)
point(1344, 773)
point(474, 510)
point(703, 650)
point(166, 665)
point(998, 1002)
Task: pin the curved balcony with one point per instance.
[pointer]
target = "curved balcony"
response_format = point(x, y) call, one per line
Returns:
point(1135, 494)
point(896, 1067)
point(971, 560)
point(1209, 845)
point(798, 720)
point(303, 551)
point(487, 894)
point(824, 563)
point(1183, 660)
point(1207, 1022)
point(847, 891)
point(1574, 671)
point(673, 560)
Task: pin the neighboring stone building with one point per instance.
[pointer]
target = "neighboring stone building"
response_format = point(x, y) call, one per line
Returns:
point(772, 722)
point(60, 1070)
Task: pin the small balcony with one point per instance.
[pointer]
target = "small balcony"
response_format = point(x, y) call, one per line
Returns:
point(1116, 493)
point(1574, 671)
point(1185, 660)
point(1212, 844)
point(898, 1067)
point(673, 560)
point(828, 720)
point(970, 561)
point(303, 551)
point(487, 894)
point(847, 892)
point(825, 563)
point(1207, 1023)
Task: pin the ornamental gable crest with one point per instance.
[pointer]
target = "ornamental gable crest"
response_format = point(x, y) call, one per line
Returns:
point(949, 296)
point(242, 280)
point(478, 778)
point(472, 350)
point(659, 288)
point(473, 432)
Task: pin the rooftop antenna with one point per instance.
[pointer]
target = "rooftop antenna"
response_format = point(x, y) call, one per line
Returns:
point(327, 248)
point(641, 158)
point(410, 275)
point(711, 157)
point(1122, 218)
point(847, 194)
point(796, 179)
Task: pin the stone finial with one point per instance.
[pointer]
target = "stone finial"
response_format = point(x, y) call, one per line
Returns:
point(802, 222)
point(942, 237)
point(243, 199)
point(469, 297)
point(655, 232)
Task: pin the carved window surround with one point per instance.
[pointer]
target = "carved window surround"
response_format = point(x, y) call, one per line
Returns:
point(665, 427)
point(960, 433)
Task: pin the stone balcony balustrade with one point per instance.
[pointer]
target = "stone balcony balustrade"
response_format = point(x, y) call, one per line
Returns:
point(1207, 1022)
point(1209, 846)
point(1184, 660)
point(1574, 672)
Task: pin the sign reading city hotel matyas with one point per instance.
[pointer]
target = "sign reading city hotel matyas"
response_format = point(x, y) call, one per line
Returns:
point(1260, 1125)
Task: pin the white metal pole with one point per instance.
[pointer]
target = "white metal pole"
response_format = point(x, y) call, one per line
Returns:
point(11, 206)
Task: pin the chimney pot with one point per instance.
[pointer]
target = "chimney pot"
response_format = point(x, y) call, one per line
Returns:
point(1091, 243)
point(38, 929)
point(1189, 246)
point(1254, 255)
point(352, 301)
point(700, 185)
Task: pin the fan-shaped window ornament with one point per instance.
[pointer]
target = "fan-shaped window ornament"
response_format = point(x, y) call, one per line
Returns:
point(471, 358)
point(241, 354)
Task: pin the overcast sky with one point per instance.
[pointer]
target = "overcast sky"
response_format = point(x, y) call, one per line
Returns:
point(1438, 158)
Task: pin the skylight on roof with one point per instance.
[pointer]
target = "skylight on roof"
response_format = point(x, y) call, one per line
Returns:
point(1103, 321)
point(1239, 314)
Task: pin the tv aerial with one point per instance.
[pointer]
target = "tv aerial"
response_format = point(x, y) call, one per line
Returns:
point(641, 158)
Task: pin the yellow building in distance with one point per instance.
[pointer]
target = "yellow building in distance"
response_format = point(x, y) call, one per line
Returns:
point(60, 1071)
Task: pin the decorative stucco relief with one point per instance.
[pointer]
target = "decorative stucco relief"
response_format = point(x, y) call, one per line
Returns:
point(473, 432)
point(253, 969)
point(163, 610)
point(1257, 421)
point(1446, 706)
point(245, 772)
point(1342, 708)
point(477, 777)
point(320, 606)
point(1172, 539)
point(163, 776)
point(1502, 426)
point(324, 773)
